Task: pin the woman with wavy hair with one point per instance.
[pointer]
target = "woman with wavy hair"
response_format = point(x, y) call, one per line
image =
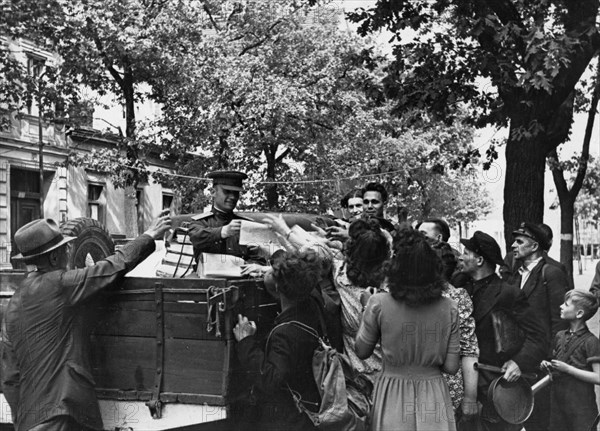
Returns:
point(419, 334)
point(284, 363)
point(360, 272)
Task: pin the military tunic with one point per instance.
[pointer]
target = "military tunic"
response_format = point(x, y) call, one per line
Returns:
point(205, 234)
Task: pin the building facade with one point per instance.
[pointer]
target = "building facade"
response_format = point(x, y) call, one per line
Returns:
point(30, 188)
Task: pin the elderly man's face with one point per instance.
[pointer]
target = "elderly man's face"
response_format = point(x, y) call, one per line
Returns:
point(373, 204)
point(523, 247)
point(225, 199)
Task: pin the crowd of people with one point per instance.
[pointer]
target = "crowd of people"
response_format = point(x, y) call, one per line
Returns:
point(433, 329)
point(417, 317)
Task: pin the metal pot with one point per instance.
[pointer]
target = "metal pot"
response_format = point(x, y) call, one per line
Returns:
point(513, 401)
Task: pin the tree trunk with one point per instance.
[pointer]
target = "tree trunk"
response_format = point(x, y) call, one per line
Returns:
point(567, 213)
point(578, 245)
point(524, 183)
point(222, 156)
point(271, 191)
point(130, 208)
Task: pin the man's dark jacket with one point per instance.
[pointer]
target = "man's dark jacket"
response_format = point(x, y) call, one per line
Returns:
point(491, 294)
point(545, 291)
point(45, 340)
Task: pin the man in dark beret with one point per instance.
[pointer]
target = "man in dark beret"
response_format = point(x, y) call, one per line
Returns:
point(218, 231)
point(544, 286)
point(491, 295)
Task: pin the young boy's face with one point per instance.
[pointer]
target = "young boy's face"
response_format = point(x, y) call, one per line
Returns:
point(568, 310)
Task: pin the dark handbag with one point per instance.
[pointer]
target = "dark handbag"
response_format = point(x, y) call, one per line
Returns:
point(508, 335)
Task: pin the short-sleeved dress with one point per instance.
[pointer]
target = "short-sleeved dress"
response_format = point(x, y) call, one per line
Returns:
point(468, 340)
point(351, 316)
point(411, 393)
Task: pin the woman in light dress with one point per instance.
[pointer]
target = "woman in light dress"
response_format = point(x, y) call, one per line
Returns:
point(419, 334)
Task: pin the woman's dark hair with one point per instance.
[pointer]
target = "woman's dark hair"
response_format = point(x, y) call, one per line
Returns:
point(366, 251)
point(355, 193)
point(414, 272)
point(297, 274)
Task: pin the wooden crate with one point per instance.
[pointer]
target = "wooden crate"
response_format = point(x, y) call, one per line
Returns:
point(153, 331)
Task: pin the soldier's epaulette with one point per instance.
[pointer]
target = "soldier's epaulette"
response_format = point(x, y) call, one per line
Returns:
point(201, 216)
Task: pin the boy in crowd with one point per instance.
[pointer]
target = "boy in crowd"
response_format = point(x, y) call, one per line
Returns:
point(576, 365)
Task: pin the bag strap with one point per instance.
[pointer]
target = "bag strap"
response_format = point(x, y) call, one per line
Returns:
point(545, 283)
point(322, 323)
point(297, 324)
point(544, 279)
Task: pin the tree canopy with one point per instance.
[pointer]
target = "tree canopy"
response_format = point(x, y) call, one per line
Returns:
point(277, 89)
point(510, 62)
point(285, 97)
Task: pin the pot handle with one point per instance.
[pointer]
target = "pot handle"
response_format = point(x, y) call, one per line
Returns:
point(545, 381)
point(498, 370)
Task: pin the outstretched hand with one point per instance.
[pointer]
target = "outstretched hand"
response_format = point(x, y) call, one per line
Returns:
point(160, 225)
point(254, 269)
point(337, 233)
point(560, 366)
point(277, 223)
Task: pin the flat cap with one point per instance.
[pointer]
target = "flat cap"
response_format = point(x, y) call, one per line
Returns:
point(485, 246)
point(533, 231)
point(230, 180)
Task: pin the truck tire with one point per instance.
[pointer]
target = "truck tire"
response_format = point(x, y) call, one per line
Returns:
point(92, 239)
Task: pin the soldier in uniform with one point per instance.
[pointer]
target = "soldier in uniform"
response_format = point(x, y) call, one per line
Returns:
point(218, 231)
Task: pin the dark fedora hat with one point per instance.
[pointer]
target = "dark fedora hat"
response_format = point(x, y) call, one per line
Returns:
point(485, 246)
point(38, 237)
point(535, 232)
point(230, 180)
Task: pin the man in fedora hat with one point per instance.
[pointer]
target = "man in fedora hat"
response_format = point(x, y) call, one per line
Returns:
point(490, 295)
point(46, 375)
point(218, 231)
point(544, 286)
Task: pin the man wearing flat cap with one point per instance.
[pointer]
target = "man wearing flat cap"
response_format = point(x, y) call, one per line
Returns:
point(218, 231)
point(46, 374)
point(544, 286)
point(491, 297)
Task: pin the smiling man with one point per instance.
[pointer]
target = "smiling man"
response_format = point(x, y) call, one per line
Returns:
point(218, 231)
point(374, 199)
